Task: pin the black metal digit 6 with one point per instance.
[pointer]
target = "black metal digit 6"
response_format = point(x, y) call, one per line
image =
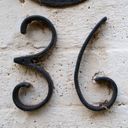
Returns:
point(30, 60)
point(59, 3)
point(105, 105)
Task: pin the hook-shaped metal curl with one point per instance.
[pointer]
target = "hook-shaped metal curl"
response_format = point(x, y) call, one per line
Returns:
point(59, 3)
point(107, 104)
point(31, 61)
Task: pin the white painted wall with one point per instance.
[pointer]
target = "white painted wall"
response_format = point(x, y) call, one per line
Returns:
point(107, 54)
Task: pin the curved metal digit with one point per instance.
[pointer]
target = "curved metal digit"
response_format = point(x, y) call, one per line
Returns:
point(31, 61)
point(106, 104)
point(59, 3)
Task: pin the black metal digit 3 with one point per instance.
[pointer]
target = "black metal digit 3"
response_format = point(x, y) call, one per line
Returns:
point(59, 3)
point(105, 105)
point(30, 60)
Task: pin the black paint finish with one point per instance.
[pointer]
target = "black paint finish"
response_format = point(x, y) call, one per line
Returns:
point(107, 104)
point(60, 3)
point(31, 62)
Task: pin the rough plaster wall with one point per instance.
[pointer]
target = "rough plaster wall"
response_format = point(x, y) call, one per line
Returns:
point(107, 54)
